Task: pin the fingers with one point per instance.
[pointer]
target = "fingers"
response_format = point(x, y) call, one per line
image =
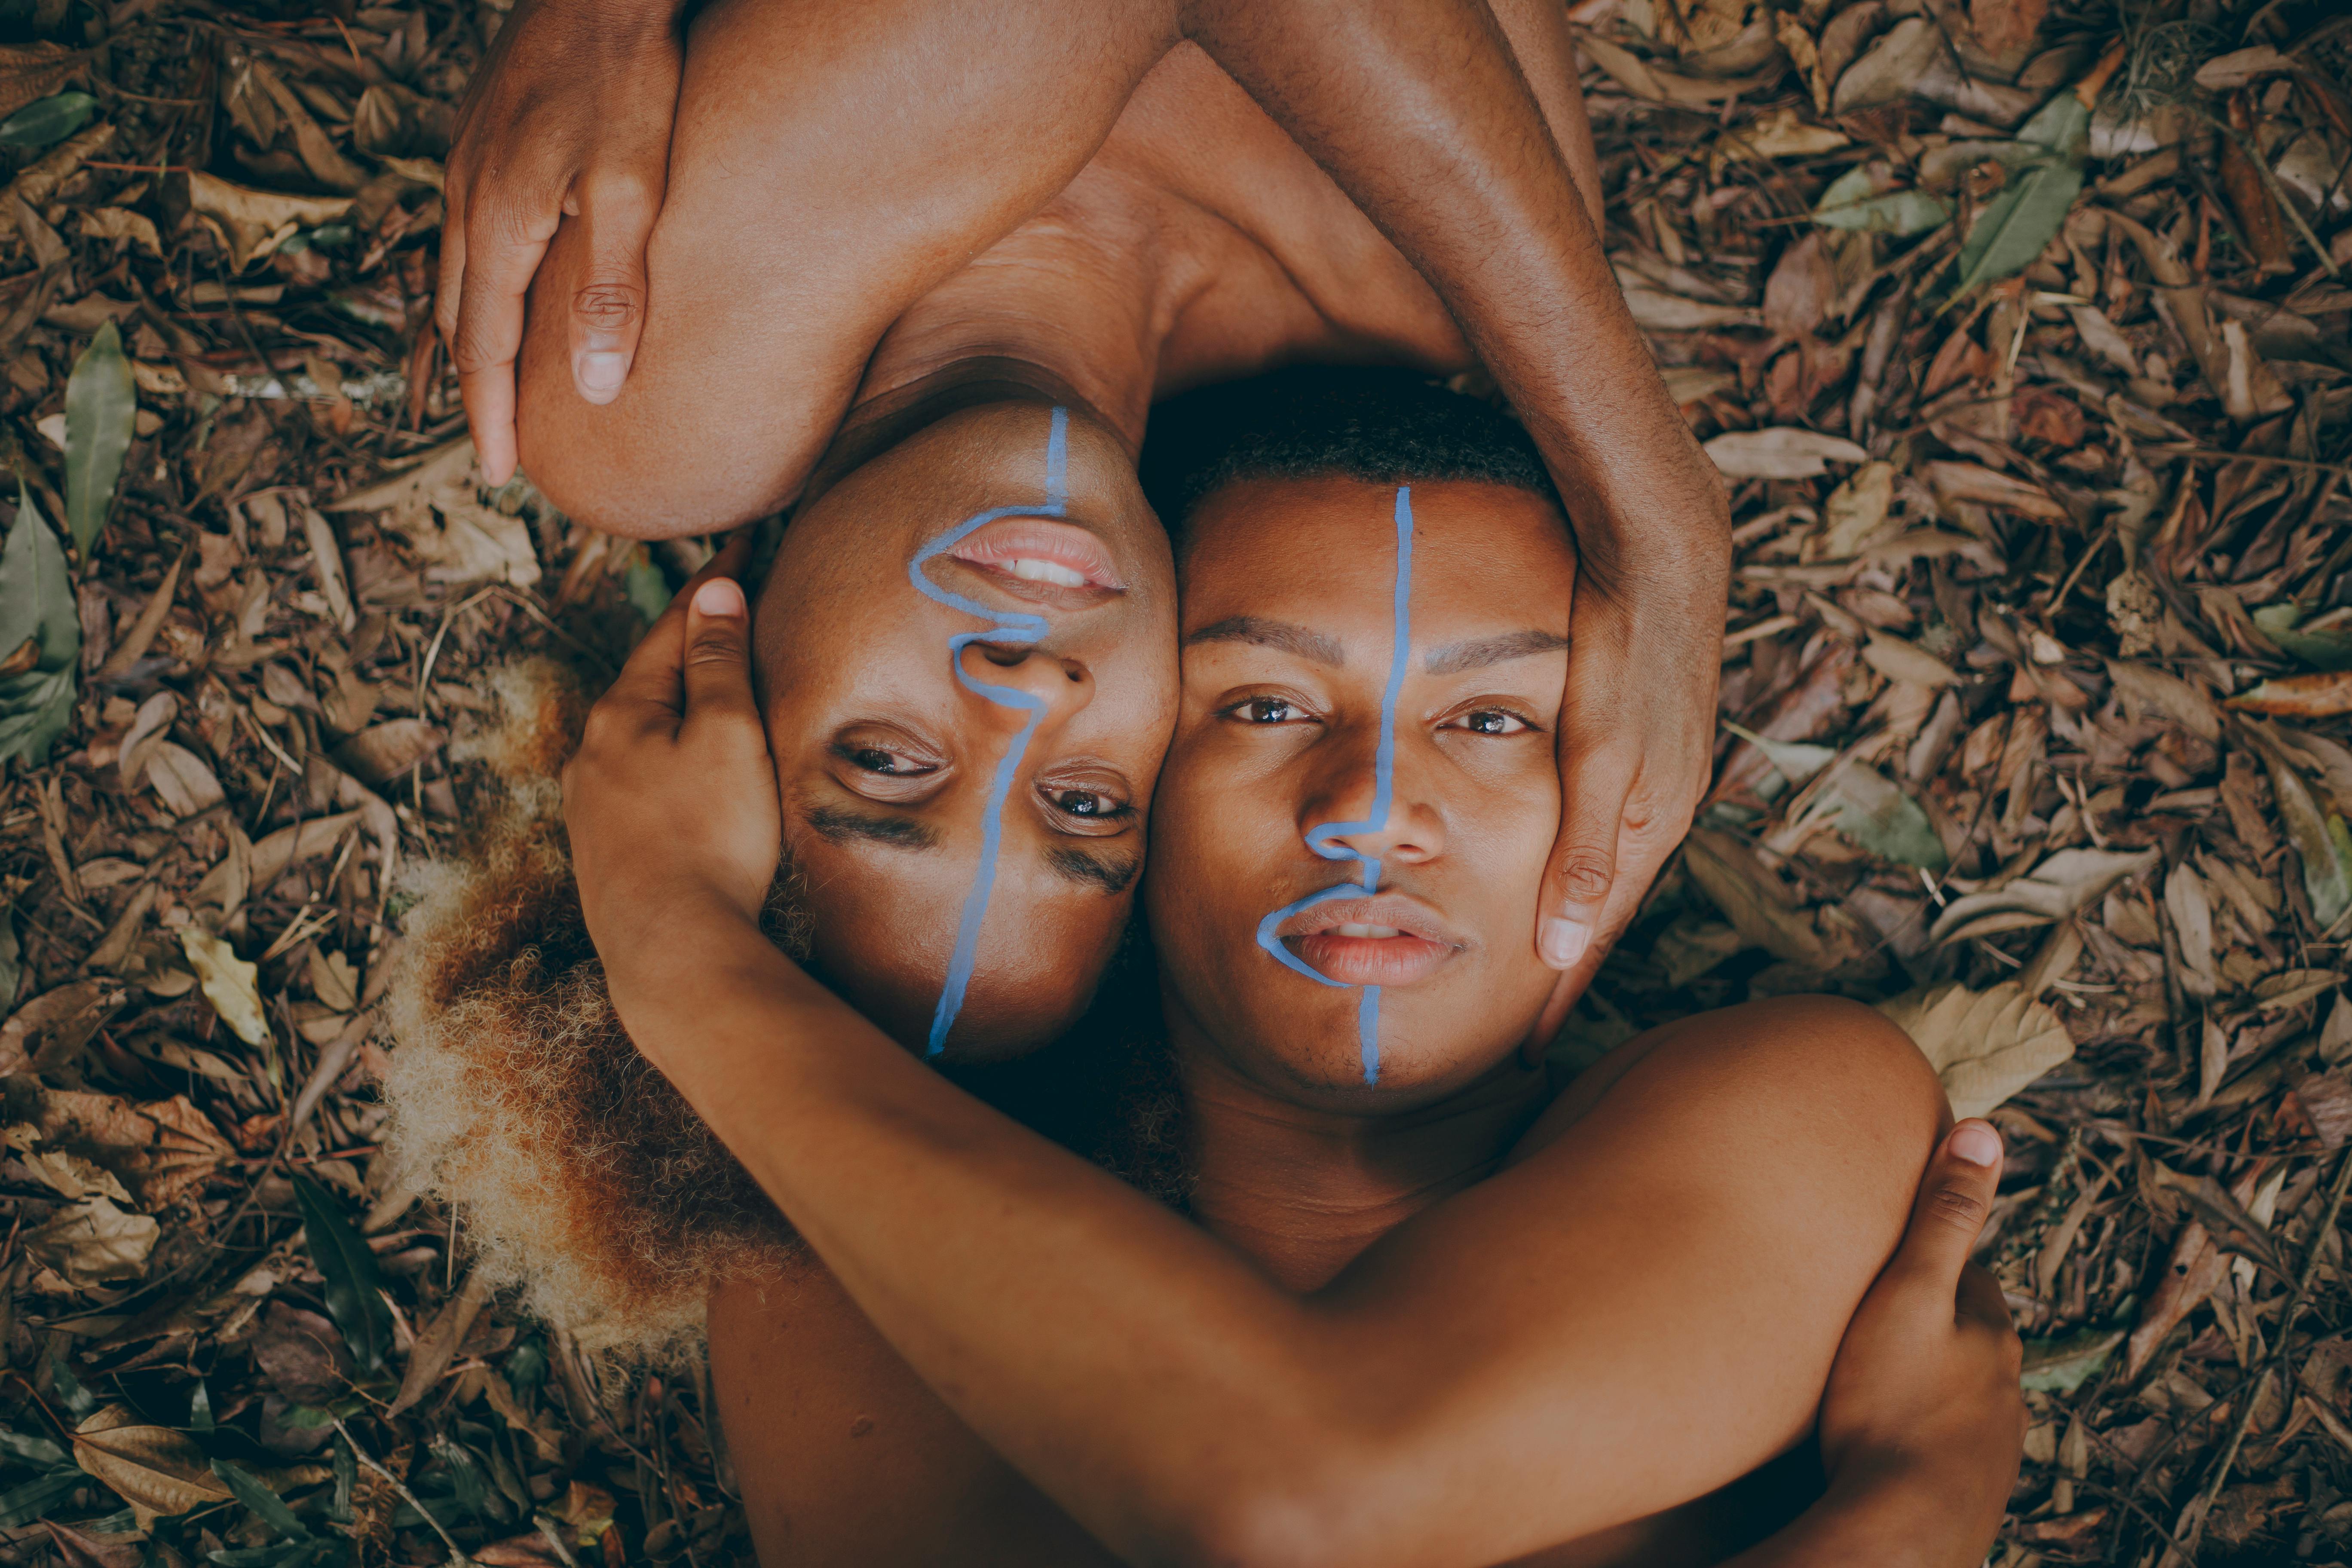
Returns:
point(1594, 785)
point(501, 254)
point(608, 312)
point(719, 655)
point(1955, 1198)
point(1980, 1299)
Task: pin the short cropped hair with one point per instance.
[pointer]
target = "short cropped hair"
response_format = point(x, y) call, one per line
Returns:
point(1384, 426)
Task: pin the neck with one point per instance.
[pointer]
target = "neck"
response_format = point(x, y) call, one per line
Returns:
point(1304, 1190)
point(1050, 303)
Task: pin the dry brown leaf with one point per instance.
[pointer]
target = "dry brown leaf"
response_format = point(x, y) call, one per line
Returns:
point(379, 756)
point(2057, 887)
point(251, 223)
point(1984, 1045)
point(33, 70)
point(155, 1469)
point(2299, 696)
point(228, 983)
point(94, 1243)
point(2146, 688)
point(1975, 482)
point(1783, 452)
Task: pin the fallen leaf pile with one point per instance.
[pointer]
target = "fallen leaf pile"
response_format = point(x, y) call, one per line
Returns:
point(2019, 335)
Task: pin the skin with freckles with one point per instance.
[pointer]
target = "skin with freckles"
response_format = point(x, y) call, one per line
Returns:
point(884, 758)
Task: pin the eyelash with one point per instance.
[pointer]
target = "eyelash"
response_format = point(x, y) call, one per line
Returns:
point(1238, 711)
point(857, 757)
point(1461, 721)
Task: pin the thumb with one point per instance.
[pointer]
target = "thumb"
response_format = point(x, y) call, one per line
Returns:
point(1955, 1198)
point(608, 312)
point(1593, 785)
point(717, 654)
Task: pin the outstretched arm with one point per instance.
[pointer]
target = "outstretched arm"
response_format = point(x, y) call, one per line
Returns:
point(1649, 1304)
point(1422, 112)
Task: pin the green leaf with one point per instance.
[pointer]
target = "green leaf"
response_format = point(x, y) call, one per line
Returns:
point(1795, 761)
point(2326, 647)
point(2062, 125)
point(647, 590)
point(255, 1494)
point(37, 607)
point(2017, 223)
point(2061, 1367)
point(200, 1408)
point(70, 1392)
point(1854, 201)
point(101, 404)
point(355, 1287)
point(23, 1505)
point(1884, 820)
point(47, 120)
point(29, 1450)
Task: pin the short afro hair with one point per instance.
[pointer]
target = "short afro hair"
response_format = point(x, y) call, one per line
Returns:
point(1384, 426)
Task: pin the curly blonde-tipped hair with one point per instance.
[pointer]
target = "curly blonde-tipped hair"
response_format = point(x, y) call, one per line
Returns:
point(583, 1177)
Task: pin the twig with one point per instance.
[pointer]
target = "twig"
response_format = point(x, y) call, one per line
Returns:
point(2193, 1517)
point(456, 1556)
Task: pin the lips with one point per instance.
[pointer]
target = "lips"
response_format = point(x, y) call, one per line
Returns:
point(1385, 940)
point(1032, 553)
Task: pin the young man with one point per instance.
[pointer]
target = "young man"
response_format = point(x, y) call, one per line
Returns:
point(869, 215)
point(1426, 1308)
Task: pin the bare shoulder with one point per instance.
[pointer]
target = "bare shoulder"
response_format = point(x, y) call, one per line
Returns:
point(1827, 1064)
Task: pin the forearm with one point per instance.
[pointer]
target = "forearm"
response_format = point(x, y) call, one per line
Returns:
point(1425, 120)
point(1132, 1366)
point(1892, 1523)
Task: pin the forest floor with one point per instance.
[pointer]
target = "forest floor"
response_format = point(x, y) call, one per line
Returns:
point(2019, 330)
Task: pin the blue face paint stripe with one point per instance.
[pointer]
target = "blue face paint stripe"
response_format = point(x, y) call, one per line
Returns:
point(1006, 628)
point(1320, 836)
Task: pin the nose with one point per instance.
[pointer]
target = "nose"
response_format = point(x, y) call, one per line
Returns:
point(1345, 806)
point(1014, 680)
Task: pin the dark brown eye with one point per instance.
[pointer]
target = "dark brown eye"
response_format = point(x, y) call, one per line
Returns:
point(1268, 711)
point(1491, 722)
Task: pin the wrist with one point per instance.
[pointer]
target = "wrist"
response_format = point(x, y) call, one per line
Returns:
point(1902, 1512)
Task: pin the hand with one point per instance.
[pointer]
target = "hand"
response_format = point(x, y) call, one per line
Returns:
point(569, 116)
point(1923, 1396)
point(1636, 739)
point(670, 801)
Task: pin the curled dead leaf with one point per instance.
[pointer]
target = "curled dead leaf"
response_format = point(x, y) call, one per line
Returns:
point(1984, 1045)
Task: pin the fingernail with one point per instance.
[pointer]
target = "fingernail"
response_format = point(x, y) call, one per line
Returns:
point(719, 597)
point(1563, 941)
point(603, 372)
point(1976, 1143)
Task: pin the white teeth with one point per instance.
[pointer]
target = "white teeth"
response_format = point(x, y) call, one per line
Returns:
point(1364, 930)
point(1046, 572)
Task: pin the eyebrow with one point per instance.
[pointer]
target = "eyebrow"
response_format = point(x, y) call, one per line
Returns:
point(1283, 636)
point(897, 832)
point(1480, 652)
point(1451, 659)
point(1112, 876)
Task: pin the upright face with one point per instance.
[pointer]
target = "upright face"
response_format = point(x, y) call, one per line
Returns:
point(1292, 691)
point(982, 750)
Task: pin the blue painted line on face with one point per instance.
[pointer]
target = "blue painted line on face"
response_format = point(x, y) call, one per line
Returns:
point(1006, 628)
point(1320, 838)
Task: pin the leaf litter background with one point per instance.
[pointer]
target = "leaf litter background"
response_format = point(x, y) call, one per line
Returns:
point(2019, 332)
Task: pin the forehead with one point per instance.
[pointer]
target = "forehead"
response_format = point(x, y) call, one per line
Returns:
point(1323, 552)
